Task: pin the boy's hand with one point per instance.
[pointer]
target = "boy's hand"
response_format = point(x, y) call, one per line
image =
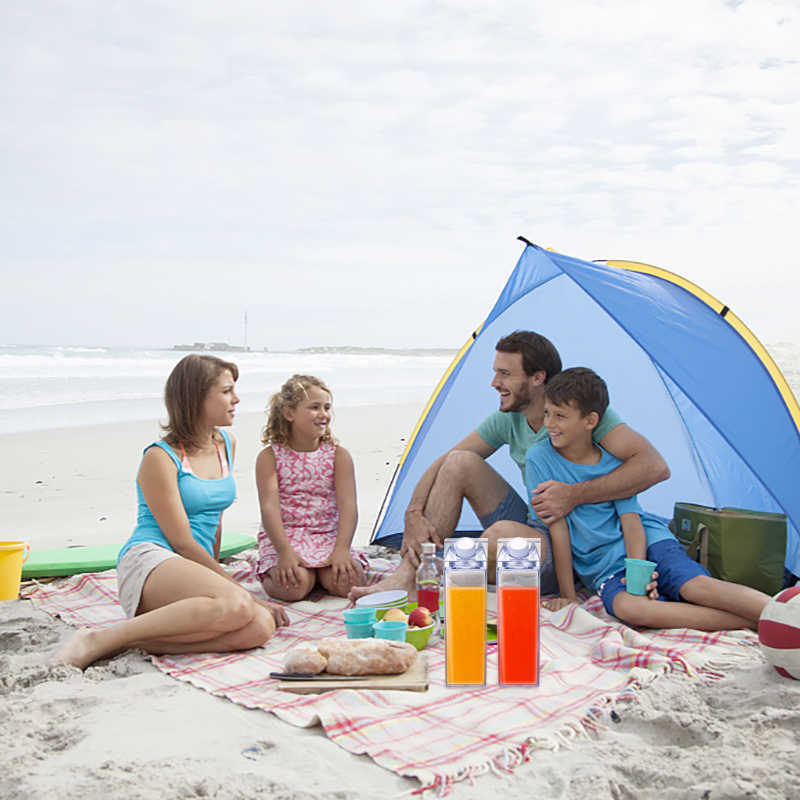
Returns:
point(552, 500)
point(651, 590)
point(557, 603)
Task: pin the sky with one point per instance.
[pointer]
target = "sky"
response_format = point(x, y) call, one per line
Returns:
point(357, 173)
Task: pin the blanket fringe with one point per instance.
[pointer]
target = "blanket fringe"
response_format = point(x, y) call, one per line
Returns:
point(718, 668)
point(594, 721)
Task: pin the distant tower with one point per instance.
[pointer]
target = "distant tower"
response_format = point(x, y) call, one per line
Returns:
point(245, 330)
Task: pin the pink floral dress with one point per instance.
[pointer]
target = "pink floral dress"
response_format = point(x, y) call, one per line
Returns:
point(309, 512)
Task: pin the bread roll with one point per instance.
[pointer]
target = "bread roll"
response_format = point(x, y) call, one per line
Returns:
point(367, 656)
point(306, 659)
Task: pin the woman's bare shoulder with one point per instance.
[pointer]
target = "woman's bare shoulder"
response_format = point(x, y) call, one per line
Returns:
point(156, 458)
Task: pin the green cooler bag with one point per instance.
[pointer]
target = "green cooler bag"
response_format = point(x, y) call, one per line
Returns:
point(734, 544)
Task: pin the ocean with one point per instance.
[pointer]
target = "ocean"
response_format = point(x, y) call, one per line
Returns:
point(54, 387)
point(60, 386)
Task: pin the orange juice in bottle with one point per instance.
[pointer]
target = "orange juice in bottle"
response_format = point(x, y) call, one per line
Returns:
point(465, 563)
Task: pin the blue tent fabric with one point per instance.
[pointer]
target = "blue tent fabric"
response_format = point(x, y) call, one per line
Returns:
point(678, 372)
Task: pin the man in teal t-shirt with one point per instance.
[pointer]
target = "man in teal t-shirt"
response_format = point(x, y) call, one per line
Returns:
point(524, 361)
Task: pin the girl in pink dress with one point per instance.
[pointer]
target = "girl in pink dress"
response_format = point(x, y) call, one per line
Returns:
point(307, 494)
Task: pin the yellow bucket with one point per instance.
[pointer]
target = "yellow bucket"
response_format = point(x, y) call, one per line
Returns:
point(12, 556)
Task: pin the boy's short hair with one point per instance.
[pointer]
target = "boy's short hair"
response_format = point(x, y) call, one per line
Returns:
point(581, 386)
point(538, 352)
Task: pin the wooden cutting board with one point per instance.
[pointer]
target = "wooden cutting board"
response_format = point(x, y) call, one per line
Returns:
point(414, 679)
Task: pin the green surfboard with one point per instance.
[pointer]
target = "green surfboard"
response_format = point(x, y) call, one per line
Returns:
point(97, 558)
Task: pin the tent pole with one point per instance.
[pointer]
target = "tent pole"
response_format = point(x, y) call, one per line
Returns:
point(383, 503)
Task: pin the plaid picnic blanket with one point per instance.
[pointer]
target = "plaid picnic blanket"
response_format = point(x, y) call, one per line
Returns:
point(589, 662)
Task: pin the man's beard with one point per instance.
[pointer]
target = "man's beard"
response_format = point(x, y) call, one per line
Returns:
point(522, 400)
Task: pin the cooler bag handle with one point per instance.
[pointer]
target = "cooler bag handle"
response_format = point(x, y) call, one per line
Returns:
point(697, 549)
point(693, 548)
point(702, 533)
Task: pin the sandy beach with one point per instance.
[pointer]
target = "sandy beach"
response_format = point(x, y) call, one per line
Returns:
point(125, 729)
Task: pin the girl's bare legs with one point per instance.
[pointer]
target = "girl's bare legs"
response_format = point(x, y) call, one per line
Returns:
point(185, 607)
point(339, 588)
point(287, 592)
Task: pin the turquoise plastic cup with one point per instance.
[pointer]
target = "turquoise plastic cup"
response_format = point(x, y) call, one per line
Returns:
point(637, 574)
point(393, 629)
point(358, 630)
point(362, 615)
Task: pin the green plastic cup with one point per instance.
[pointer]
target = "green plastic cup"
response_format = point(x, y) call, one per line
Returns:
point(637, 574)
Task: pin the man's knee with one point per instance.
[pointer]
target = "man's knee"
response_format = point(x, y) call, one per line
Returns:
point(467, 474)
point(461, 465)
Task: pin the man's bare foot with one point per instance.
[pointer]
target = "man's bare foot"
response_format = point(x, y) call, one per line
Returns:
point(80, 651)
point(401, 578)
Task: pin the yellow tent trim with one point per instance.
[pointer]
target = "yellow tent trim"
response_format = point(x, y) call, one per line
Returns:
point(739, 326)
point(461, 353)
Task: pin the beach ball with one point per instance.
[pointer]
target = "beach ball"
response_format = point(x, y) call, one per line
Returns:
point(779, 632)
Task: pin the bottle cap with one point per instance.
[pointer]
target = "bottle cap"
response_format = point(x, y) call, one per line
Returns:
point(465, 547)
point(428, 548)
point(519, 547)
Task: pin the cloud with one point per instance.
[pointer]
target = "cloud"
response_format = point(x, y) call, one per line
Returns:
point(379, 162)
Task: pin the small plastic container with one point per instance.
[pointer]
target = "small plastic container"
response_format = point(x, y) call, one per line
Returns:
point(358, 630)
point(394, 630)
point(359, 615)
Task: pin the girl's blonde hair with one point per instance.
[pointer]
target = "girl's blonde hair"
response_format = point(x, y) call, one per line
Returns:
point(291, 394)
point(184, 395)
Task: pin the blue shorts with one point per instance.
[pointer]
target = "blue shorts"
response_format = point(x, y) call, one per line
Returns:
point(674, 569)
point(514, 509)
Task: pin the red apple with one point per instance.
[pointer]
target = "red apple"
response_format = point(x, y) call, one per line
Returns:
point(420, 617)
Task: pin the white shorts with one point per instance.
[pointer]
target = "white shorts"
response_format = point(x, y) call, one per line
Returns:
point(133, 569)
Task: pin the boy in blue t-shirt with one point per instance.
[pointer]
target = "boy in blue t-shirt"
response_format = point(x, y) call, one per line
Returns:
point(596, 538)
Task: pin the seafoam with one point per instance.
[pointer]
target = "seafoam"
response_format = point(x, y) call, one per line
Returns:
point(58, 386)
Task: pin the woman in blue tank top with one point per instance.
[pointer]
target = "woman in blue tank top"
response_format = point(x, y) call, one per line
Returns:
point(170, 584)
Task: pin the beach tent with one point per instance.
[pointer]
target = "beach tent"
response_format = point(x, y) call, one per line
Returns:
point(681, 369)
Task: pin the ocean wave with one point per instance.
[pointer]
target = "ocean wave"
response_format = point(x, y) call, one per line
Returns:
point(59, 383)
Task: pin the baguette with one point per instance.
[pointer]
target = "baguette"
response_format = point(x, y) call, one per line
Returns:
point(352, 657)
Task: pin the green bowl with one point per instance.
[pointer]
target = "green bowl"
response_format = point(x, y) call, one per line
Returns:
point(419, 636)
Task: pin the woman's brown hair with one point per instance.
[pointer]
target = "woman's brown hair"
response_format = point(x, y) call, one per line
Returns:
point(184, 395)
point(291, 394)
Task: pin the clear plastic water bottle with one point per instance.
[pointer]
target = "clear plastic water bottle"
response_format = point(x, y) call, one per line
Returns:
point(428, 579)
